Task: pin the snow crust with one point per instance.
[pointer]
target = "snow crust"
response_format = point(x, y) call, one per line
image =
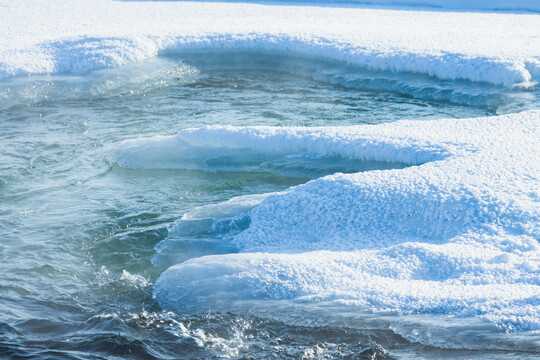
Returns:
point(74, 36)
point(455, 234)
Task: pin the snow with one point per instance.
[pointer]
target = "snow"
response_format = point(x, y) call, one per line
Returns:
point(76, 37)
point(454, 234)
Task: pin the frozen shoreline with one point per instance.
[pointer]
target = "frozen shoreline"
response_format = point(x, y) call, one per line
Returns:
point(449, 236)
point(76, 37)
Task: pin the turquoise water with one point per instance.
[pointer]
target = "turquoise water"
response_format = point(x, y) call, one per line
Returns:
point(79, 233)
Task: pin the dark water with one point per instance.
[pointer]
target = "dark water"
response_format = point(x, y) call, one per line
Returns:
point(78, 233)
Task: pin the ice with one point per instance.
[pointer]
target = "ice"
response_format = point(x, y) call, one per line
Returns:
point(206, 230)
point(189, 150)
point(132, 79)
point(233, 207)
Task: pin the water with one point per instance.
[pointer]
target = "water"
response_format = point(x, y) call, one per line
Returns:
point(79, 233)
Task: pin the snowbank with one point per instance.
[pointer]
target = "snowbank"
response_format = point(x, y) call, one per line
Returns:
point(75, 36)
point(457, 234)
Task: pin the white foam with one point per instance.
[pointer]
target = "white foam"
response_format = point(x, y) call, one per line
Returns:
point(76, 36)
point(456, 235)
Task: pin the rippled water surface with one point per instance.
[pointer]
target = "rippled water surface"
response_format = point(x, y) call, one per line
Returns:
point(79, 233)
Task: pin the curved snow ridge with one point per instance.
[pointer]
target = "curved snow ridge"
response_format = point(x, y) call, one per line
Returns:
point(445, 65)
point(457, 235)
point(364, 143)
point(86, 54)
point(485, 184)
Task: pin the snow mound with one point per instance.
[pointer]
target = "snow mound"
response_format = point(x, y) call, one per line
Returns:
point(456, 234)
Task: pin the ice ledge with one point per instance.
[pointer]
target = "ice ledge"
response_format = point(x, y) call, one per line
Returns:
point(455, 236)
point(87, 54)
point(52, 37)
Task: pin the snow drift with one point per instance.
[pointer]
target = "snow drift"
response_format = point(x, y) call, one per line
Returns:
point(454, 234)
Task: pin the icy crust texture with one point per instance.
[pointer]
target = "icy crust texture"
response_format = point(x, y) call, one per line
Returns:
point(456, 234)
point(75, 36)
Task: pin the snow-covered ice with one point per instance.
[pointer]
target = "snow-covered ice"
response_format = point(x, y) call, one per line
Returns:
point(456, 233)
point(75, 36)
